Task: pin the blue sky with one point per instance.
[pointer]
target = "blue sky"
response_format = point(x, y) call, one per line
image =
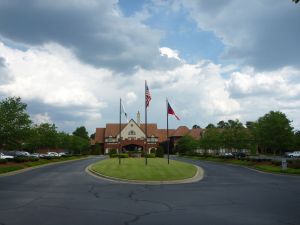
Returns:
point(72, 60)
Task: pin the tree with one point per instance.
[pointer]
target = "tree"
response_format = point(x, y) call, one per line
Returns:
point(92, 136)
point(44, 135)
point(186, 144)
point(296, 1)
point(211, 139)
point(296, 140)
point(81, 132)
point(274, 132)
point(210, 126)
point(196, 126)
point(222, 124)
point(14, 123)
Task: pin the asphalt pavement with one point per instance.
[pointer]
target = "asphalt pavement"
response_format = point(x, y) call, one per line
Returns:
point(65, 194)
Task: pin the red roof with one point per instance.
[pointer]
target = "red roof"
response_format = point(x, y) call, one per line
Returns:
point(112, 129)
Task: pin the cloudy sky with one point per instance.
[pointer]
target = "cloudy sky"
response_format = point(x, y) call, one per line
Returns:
point(72, 60)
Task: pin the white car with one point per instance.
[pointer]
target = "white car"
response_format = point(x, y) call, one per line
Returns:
point(293, 154)
point(52, 154)
point(2, 156)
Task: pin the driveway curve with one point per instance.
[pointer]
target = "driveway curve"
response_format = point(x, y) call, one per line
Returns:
point(228, 194)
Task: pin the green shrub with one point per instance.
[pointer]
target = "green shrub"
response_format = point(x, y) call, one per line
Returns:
point(159, 152)
point(123, 155)
point(112, 152)
point(51, 157)
point(294, 164)
point(21, 159)
point(113, 155)
point(3, 161)
point(151, 155)
point(276, 163)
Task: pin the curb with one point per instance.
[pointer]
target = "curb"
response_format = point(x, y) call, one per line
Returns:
point(36, 167)
point(196, 178)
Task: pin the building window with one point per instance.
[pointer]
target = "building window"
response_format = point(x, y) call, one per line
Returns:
point(132, 132)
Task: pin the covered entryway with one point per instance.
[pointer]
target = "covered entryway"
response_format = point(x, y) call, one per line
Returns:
point(132, 148)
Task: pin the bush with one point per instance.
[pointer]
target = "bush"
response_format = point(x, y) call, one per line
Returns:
point(294, 164)
point(112, 151)
point(3, 161)
point(151, 155)
point(123, 155)
point(276, 163)
point(21, 159)
point(159, 152)
point(113, 155)
point(51, 157)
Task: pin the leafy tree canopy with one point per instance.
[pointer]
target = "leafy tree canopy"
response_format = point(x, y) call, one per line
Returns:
point(14, 123)
point(81, 132)
point(210, 126)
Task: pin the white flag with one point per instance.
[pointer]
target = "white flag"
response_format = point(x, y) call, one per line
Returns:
point(123, 110)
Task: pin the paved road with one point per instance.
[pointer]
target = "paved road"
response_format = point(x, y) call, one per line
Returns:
point(65, 194)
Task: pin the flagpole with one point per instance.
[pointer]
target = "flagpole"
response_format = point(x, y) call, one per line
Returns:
point(120, 145)
point(146, 132)
point(168, 147)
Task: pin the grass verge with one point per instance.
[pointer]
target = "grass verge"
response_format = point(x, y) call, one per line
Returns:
point(262, 166)
point(135, 169)
point(9, 167)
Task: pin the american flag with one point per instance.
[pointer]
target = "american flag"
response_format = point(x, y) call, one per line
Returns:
point(147, 95)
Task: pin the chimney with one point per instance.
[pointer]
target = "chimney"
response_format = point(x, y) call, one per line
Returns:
point(138, 118)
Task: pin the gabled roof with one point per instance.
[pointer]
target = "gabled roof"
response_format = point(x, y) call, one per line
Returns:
point(113, 129)
point(151, 129)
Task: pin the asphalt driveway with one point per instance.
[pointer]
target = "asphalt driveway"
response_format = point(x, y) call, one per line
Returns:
point(66, 194)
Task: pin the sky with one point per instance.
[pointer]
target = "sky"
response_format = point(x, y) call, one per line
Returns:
point(71, 61)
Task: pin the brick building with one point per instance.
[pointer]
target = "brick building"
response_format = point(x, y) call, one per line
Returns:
point(133, 136)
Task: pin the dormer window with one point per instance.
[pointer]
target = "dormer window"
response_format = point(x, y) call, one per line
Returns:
point(132, 132)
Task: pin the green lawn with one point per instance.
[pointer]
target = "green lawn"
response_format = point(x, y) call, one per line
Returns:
point(10, 169)
point(277, 169)
point(263, 166)
point(135, 169)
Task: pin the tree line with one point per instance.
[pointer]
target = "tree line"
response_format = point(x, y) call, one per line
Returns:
point(18, 132)
point(270, 134)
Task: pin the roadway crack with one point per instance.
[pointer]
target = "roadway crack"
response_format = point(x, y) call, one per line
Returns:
point(138, 217)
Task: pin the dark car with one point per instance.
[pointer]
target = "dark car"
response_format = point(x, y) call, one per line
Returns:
point(239, 154)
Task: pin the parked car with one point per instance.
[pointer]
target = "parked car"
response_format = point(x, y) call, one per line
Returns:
point(62, 154)
point(36, 155)
point(52, 154)
point(22, 154)
point(2, 156)
point(295, 154)
point(228, 155)
point(239, 154)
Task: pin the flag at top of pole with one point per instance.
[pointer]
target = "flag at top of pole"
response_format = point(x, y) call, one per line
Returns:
point(171, 111)
point(123, 111)
point(147, 95)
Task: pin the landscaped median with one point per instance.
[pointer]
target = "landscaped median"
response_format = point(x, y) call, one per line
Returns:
point(14, 166)
point(157, 170)
point(265, 165)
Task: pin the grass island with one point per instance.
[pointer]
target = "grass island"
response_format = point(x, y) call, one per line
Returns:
point(157, 169)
